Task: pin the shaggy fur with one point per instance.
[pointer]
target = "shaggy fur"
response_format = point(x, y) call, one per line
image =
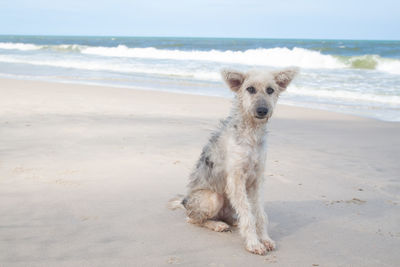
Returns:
point(225, 186)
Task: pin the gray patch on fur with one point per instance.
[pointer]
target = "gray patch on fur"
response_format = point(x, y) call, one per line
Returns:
point(184, 202)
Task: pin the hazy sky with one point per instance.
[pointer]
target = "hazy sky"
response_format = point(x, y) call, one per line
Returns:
point(333, 19)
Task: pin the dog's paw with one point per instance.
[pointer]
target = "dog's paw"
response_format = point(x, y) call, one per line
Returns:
point(256, 248)
point(190, 220)
point(221, 227)
point(269, 244)
point(217, 226)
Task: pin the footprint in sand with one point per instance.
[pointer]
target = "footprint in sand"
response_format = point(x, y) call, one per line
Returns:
point(356, 201)
point(173, 260)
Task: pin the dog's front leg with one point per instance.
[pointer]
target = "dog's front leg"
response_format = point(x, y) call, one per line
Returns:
point(237, 195)
point(255, 196)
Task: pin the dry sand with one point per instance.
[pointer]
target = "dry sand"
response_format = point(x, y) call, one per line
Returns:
point(86, 171)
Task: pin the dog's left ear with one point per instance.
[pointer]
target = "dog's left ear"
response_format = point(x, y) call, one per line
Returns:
point(285, 76)
point(234, 79)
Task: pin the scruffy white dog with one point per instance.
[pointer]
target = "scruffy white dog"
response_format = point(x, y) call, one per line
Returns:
point(226, 184)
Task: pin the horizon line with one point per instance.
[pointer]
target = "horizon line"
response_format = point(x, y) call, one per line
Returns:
point(197, 37)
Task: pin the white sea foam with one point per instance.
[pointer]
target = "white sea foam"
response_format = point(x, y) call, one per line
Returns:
point(110, 66)
point(275, 57)
point(389, 65)
point(344, 95)
point(263, 57)
point(203, 75)
point(19, 46)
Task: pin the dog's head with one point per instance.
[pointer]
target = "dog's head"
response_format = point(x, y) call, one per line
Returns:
point(258, 91)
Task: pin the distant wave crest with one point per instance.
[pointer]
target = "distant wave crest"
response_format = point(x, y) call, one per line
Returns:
point(19, 46)
point(263, 57)
point(276, 57)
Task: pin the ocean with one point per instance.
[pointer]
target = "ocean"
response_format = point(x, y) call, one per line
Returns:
point(349, 76)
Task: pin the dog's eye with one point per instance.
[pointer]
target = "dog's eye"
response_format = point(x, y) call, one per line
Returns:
point(270, 90)
point(251, 90)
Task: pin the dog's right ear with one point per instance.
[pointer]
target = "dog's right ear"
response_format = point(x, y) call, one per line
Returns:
point(234, 79)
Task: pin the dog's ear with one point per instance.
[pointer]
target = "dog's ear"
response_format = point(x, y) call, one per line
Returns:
point(234, 79)
point(285, 76)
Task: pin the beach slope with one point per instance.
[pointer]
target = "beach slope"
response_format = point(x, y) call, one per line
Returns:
point(86, 172)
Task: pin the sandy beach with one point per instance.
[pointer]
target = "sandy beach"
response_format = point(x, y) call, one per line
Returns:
point(86, 172)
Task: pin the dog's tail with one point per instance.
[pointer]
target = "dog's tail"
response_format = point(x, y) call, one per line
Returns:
point(177, 202)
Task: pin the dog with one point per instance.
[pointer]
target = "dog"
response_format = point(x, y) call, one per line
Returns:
point(225, 188)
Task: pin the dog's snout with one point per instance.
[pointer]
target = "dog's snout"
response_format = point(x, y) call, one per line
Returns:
point(262, 111)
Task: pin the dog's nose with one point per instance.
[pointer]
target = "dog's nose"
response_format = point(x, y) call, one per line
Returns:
point(261, 111)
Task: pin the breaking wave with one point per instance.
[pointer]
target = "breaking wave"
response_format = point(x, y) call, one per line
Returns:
point(276, 57)
point(19, 46)
point(261, 56)
point(110, 66)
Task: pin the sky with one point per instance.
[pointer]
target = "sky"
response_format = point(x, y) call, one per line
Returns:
point(314, 19)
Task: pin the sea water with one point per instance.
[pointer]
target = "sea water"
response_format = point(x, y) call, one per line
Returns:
point(349, 76)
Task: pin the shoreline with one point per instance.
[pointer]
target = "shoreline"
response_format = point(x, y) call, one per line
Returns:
point(177, 91)
point(86, 173)
point(334, 75)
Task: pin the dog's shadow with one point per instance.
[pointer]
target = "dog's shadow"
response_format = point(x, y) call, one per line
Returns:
point(287, 218)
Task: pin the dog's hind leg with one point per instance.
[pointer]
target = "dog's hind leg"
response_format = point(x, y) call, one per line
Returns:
point(228, 214)
point(202, 208)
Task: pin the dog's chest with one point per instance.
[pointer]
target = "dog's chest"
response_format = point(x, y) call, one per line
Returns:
point(249, 157)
